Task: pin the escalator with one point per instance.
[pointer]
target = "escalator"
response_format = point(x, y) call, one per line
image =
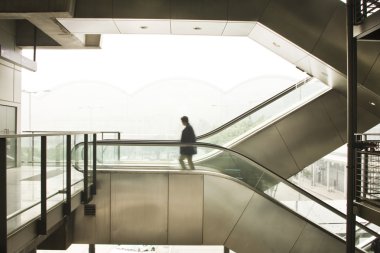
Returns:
point(143, 197)
point(292, 129)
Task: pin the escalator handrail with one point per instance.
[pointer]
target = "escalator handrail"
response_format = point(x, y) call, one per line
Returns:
point(254, 109)
point(208, 145)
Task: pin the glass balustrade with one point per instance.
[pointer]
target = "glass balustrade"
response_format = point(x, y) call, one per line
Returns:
point(266, 113)
point(24, 169)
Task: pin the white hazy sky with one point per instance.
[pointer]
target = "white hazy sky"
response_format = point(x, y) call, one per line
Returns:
point(132, 61)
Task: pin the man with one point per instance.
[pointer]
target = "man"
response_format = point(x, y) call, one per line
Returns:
point(188, 136)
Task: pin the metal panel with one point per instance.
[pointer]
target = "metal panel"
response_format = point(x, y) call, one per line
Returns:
point(84, 230)
point(143, 26)
point(276, 43)
point(336, 107)
point(102, 201)
point(314, 240)
point(327, 74)
point(268, 148)
point(265, 227)
point(301, 22)
point(196, 27)
point(331, 47)
point(224, 202)
point(368, 52)
point(235, 28)
point(89, 26)
point(7, 26)
point(366, 120)
point(17, 86)
point(185, 209)
point(6, 83)
point(373, 78)
point(93, 9)
point(309, 133)
point(368, 100)
point(157, 9)
point(139, 208)
point(200, 9)
point(246, 9)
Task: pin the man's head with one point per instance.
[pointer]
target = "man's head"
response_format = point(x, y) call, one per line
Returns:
point(185, 120)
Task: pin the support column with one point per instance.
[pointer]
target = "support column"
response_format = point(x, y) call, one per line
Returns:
point(226, 250)
point(3, 195)
point(351, 125)
point(91, 248)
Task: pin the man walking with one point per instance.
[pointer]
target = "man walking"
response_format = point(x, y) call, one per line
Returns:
point(188, 136)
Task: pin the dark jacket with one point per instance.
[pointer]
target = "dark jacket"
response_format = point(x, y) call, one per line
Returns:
point(188, 136)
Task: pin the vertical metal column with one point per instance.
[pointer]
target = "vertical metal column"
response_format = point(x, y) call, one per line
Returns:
point(226, 250)
point(91, 248)
point(351, 125)
point(3, 195)
point(85, 169)
point(93, 189)
point(42, 226)
point(118, 147)
point(68, 176)
point(34, 46)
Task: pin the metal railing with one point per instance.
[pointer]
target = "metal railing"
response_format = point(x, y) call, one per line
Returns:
point(365, 8)
point(368, 168)
point(52, 153)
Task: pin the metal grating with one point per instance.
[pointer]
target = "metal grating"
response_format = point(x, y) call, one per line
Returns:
point(366, 8)
point(368, 169)
point(90, 209)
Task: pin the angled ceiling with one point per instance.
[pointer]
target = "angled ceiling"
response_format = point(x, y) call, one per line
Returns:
point(309, 33)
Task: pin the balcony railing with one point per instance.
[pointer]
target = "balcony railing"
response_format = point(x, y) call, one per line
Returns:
point(365, 8)
point(37, 175)
point(368, 169)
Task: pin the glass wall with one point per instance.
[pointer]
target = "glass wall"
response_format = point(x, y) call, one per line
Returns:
point(142, 85)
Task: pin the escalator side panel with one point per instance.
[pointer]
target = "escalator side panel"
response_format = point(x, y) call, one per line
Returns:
point(145, 207)
point(313, 240)
point(84, 227)
point(331, 101)
point(309, 133)
point(224, 203)
point(367, 118)
point(301, 22)
point(268, 148)
point(185, 219)
point(264, 227)
point(103, 212)
point(139, 208)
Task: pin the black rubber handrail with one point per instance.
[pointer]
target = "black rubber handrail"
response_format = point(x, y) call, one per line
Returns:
point(255, 109)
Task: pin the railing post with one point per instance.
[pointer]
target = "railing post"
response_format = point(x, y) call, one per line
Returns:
point(68, 176)
point(91, 248)
point(42, 225)
point(85, 169)
point(93, 189)
point(3, 195)
point(118, 147)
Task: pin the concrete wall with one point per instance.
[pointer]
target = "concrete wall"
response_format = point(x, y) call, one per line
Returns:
point(10, 80)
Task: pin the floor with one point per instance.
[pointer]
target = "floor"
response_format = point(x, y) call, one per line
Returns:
point(24, 191)
point(80, 248)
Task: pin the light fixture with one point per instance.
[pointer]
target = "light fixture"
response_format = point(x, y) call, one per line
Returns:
point(197, 28)
point(143, 27)
point(275, 44)
point(372, 103)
